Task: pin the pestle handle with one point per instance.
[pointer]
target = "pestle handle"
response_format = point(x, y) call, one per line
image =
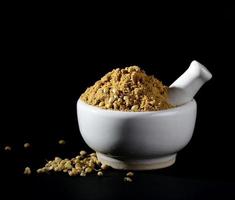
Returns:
point(187, 85)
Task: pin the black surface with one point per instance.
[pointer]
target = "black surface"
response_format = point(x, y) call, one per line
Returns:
point(189, 178)
point(48, 62)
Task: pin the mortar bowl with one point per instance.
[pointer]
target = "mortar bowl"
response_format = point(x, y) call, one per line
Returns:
point(137, 140)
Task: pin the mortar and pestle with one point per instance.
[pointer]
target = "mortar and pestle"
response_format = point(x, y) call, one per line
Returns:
point(144, 140)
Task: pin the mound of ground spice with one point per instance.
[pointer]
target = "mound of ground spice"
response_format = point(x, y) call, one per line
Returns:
point(128, 89)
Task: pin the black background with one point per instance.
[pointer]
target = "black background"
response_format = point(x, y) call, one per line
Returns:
point(49, 58)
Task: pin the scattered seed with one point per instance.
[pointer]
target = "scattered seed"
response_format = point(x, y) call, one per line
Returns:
point(127, 179)
point(56, 169)
point(57, 159)
point(27, 145)
point(27, 171)
point(79, 165)
point(7, 148)
point(82, 153)
point(68, 165)
point(130, 174)
point(61, 142)
point(73, 172)
point(82, 174)
point(70, 173)
point(61, 166)
point(100, 173)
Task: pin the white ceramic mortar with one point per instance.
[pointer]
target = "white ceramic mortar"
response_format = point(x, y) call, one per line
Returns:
point(143, 140)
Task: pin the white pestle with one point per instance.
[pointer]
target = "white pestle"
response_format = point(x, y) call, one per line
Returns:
point(187, 85)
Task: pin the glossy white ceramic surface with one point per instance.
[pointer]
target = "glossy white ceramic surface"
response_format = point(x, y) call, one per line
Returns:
point(136, 137)
point(187, 85)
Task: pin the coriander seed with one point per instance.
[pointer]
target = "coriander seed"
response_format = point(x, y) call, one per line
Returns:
point(100, 173)
point(82, 153)
point(130, 174)
point(62, 142)
point(7, 148)
point(27, 145)
point(127, 179)
point(27, 171)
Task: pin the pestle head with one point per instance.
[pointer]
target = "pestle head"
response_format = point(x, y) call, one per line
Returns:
point(187, 85)
point(202, 71)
